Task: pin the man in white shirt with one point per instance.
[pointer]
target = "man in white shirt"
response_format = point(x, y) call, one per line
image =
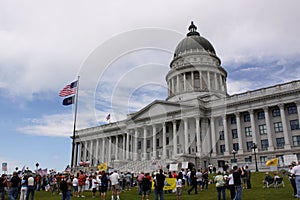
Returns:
point(115, 186)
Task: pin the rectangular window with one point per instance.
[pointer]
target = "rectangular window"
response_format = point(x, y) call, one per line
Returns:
point(167, 129)
point(233, 120)
point(263, 159)
point(294, 124)
point(148, 143)
point(139, 145)
point(235, 146)
point(264, 145)
point(292, 109)
point(167, 140)
point(249, 145)
point(222, 148)
point(261, 115)
point(234, 133)
point(247, 117)
point(157, 142)
point(276, 112)
point(280, 142)
point(222, 137)
point(249, 159)
point(262, 129)
point(248, 131)
point(278, 127)
point(296, 140)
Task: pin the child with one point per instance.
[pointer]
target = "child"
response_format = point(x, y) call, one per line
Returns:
point(179, 187)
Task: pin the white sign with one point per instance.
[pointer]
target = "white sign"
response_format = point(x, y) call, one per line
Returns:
point(185, 165)
point(289, 158)
point(173, 167)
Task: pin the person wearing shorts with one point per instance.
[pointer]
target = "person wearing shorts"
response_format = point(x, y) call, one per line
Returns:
point(81, 183)
point(103, 185)
point(115, 186)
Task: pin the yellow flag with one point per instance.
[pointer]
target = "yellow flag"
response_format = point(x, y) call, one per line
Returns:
point(272, 162)
point(102, 166)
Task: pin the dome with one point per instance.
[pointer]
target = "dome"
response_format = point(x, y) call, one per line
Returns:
point(193, 41)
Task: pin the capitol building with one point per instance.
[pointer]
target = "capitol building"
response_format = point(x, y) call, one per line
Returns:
point(199, 122)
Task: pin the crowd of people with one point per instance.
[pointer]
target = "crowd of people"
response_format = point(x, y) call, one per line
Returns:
point(192, 181)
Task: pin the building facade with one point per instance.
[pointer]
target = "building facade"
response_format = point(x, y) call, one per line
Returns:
point(199, 122)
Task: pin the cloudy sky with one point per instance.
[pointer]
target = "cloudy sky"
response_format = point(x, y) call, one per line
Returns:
point(121, 51)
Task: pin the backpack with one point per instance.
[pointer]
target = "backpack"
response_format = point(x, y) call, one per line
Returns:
point(145, 183)
point(63, 185)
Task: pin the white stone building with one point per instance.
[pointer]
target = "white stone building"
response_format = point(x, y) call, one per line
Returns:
point(199, 122)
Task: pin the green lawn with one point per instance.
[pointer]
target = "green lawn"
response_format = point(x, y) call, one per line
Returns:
point(256, 192)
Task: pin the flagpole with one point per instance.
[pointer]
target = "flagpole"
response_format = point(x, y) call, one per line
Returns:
point(74, 127)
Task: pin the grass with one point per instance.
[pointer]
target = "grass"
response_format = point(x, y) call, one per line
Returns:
point(256, 192)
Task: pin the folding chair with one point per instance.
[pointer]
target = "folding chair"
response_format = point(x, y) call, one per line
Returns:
point(278, 182)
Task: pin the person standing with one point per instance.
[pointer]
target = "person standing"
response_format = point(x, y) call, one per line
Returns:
point(179, 186)
point(237, 173)
point(220, 185)
point(159, 183)
point(296, 172)
point(30, 187)
point(81, 183)
point(104, 185)
point(3, 182)
point(194, 181)
point(75, 186)
point(115, 186)
point(292, 178)
point(23, 188)
point(231, 185)
point(15, 183)
point(146, 185)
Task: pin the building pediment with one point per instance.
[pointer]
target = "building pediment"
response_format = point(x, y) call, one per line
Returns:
point(158, 108)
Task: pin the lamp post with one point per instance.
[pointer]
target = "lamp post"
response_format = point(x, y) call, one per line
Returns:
point(234, 152)
point(254, 147)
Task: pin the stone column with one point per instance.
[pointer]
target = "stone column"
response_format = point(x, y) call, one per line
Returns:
point(124, 147)
point(226, 137)
point(172, 86)
point(240, 135)
point(127, 144)
point(208, 81)
point(216, 82)
point(103, 151)
point(213, 136)
point(269, 130)
point(145, 144)
point(97, 152)
point(253, 127)
point(200, 80)
point(178, 85)
point(117, 148)
point(285, 128)
point(199, 149)
point(186, 136)
point(154, 156)
point(164, 139)
point(184, 82)
point(136, 134)
point(85, 151)
point(298, 109)
point(174, 139)
point(109, 148)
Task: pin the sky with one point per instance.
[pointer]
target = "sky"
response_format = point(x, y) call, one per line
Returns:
point(121, 51)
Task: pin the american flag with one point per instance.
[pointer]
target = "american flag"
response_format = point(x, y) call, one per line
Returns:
point(68, 89)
